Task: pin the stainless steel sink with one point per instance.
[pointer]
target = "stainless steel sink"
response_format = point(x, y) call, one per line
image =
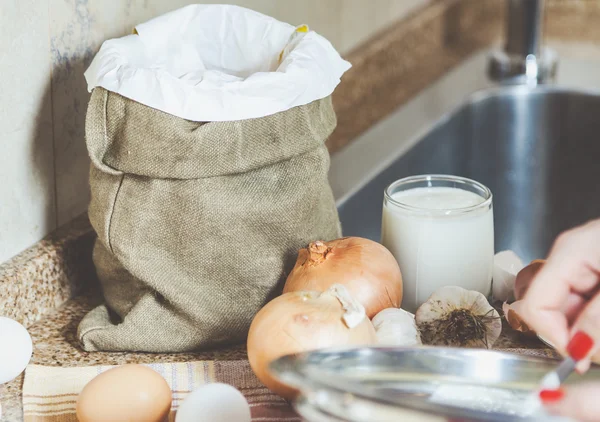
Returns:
point(536, 148)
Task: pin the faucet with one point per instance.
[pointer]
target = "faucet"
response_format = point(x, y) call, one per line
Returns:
point(523, 60)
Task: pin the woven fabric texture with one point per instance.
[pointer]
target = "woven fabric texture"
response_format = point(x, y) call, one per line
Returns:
point(199, 223)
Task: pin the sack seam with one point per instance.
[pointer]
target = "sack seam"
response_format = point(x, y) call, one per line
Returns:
point(112, 214)
point(114, 205)
point(105, 121)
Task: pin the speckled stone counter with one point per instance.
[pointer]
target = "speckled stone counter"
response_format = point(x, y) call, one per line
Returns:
point(56, 345)
point(44, 276)
point(387, 72)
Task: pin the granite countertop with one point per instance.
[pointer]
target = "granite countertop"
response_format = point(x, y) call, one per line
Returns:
point(56, 344)
point(36, 286)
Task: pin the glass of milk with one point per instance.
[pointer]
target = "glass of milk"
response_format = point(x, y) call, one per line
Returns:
point(441, 230)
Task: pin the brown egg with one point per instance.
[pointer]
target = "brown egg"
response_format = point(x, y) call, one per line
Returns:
point(133, 393)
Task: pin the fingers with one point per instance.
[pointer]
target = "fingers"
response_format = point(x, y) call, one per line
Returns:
point(574, 304)
point(579, 402)
point(586, 324)
point(572, 268)
point(544, 303)
point(588, 319)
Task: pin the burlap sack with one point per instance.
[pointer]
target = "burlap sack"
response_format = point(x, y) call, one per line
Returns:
point(198, 223)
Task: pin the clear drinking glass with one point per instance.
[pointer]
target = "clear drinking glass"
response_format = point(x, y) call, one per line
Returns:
point(440, 228)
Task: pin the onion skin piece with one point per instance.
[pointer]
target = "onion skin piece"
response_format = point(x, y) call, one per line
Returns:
point(366, 268)
point(511, 313)
point(525, 277)
point(298, 322)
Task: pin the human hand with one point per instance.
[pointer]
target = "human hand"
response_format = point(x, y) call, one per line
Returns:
point(563, 298)
point(579, 402)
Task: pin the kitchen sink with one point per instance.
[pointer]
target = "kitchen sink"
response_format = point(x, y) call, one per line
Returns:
point(536, 148)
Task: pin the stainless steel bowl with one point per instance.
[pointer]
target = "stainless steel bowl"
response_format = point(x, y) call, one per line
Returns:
point(387, 383)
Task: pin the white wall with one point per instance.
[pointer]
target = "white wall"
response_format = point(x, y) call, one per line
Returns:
point(45, 46)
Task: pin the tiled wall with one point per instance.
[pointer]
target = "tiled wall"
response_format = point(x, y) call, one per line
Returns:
point(45, 46)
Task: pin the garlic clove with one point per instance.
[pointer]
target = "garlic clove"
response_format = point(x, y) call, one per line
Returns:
point(453, 316)
point(396, 327)
point(392, 314)
point(506, 267)
point(512, 314)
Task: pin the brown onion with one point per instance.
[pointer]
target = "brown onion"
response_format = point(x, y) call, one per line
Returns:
point(303, 321)
point(525, 277)
point(366, 268)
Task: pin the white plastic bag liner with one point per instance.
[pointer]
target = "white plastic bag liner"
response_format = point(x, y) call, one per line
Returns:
point(218, 63)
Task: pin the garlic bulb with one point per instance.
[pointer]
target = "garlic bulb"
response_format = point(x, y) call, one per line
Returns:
point(396, 327)
point(506, 266)
point(453, 316)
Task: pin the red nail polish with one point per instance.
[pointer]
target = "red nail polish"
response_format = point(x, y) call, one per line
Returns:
point(551, 396)
point(580, 345)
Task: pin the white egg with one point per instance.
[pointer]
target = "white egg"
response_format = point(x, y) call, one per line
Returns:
point(15, 349)
point(214, 403)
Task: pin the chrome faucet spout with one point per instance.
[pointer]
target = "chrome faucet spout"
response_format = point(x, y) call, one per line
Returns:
point(524, 27)
point(523, 59)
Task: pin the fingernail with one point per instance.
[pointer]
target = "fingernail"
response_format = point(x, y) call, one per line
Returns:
point(580, 345)
point(551, 396)
point(583, 366)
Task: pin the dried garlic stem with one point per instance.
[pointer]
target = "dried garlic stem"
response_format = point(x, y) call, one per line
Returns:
point(460, 327)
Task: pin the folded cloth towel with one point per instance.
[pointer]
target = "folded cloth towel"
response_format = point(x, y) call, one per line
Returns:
point(50, 393)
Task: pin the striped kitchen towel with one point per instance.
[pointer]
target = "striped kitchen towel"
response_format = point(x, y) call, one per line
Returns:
point(50, 393)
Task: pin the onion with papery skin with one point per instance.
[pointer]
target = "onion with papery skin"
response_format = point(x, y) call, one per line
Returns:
point(302, 321)
point(525, 277)
point(367, 269)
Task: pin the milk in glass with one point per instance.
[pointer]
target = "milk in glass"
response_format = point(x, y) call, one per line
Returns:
point(440, 236)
